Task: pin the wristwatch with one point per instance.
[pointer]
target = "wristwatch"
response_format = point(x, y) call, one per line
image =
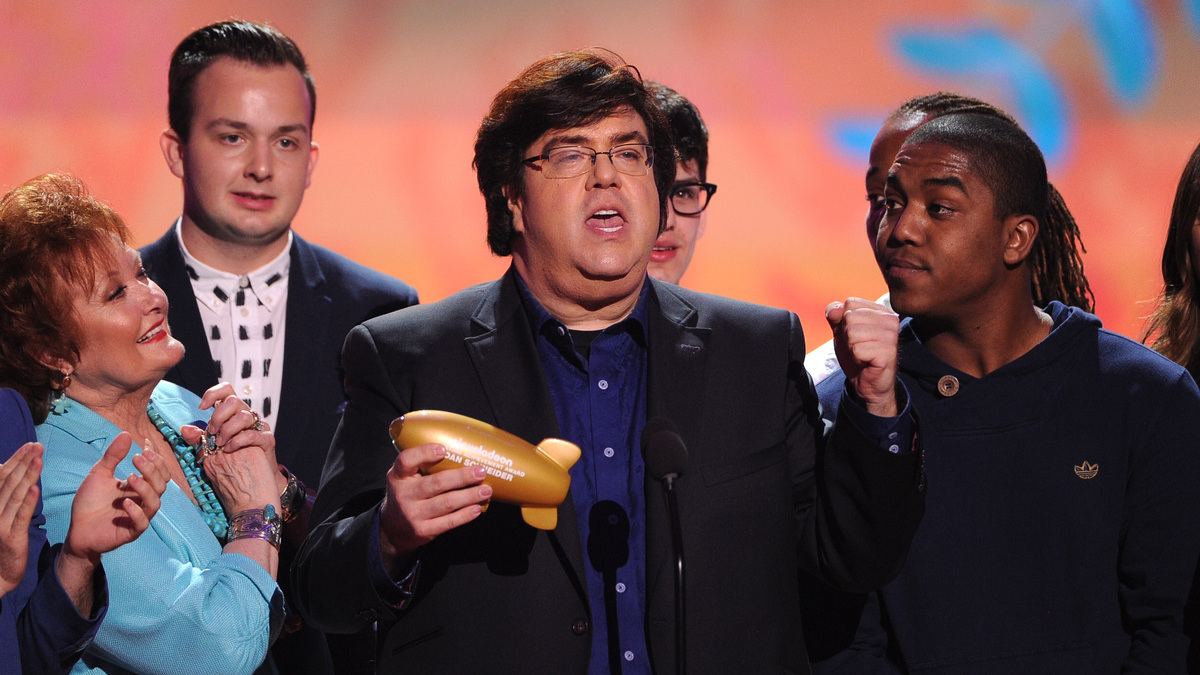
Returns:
point(262, 524)
point(294, 496)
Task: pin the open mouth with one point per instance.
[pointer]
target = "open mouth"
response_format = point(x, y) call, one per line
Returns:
point(154, 333)
point(606, 220)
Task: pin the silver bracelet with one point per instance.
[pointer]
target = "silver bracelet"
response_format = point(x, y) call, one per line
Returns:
point(262, 524)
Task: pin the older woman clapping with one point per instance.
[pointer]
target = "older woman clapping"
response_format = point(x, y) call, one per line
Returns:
point(87, 344)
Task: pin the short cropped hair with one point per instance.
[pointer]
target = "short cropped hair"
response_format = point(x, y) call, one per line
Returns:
point(243, 41)
point(562, 91)
point(54, 240)
point(1000, 153)
point(687, 127)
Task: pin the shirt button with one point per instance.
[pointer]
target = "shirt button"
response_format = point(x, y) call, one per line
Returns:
point(895, 449)
point(620, 587)
point(562, 331)
point(216, 303)
point(245, 312)
point(893, 435)
point(247, 390)
point(579, 627)
point(613, 519)
point(609, 452)
point(628, 656)
point(603, 384)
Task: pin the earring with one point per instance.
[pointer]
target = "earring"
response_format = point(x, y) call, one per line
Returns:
point(59, 403)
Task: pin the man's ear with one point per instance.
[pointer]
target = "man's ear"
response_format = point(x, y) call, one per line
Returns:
point(516, 207)
point(1021, 232)
point(314, 153)
point(172, 150)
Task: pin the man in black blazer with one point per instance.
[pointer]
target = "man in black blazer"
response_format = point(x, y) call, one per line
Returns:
point(575, 341)
point(253, 302)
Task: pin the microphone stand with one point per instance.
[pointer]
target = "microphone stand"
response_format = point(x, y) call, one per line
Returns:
point(677, 544)
point(666, 460)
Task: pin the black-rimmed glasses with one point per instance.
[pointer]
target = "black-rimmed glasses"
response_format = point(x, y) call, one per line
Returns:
point(689, 199)
point(569, 161)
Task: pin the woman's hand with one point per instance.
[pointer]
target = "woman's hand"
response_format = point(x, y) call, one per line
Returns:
point(235, 426)
point(107, 512)
point(243, 480)
point(18, 500)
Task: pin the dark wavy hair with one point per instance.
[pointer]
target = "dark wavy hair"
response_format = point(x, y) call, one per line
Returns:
point(561, 91)
point(687, 127)
point(1174, 328)
point(243, 41)
point(55, 239)
point(1057, 257)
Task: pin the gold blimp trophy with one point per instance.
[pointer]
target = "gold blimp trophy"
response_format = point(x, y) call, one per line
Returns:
point(532, 477)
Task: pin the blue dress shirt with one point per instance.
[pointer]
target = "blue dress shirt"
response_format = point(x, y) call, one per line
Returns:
point(600, 402)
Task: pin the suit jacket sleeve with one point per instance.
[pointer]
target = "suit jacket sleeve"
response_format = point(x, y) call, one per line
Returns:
point(52, 633)
point(859, 504)
point(331, 573)
point(49, 631)
point(867, 653)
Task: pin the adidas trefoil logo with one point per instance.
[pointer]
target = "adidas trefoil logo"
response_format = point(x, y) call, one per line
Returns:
point(1087, 470)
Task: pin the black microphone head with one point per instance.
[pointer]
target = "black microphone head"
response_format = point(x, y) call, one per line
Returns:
point(665, 453)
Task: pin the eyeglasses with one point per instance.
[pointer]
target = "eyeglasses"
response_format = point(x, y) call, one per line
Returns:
point(689, 199)
point(569, 161)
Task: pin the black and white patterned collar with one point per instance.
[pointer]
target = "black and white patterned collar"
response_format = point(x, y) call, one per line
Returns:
point(215, 287)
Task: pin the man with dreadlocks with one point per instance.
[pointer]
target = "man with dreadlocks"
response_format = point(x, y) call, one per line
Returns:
point(1056, 264)
point(1062, 527)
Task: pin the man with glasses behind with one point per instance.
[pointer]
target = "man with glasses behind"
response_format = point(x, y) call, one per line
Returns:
point(690, 193)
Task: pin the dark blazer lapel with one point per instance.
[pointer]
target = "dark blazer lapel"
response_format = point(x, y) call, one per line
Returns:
point(306, 341)
point(506, 359)
point(678, 351)
point(164, 263)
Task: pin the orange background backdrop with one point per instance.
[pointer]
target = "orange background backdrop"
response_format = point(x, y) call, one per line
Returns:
point(402, 86)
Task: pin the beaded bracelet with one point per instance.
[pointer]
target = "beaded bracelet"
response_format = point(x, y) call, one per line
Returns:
point(262, 524)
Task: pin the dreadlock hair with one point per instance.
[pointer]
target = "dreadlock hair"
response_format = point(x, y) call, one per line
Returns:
point(1056, 261)
point(1175, 323)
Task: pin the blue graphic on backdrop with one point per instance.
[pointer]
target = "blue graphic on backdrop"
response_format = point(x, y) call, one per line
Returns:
point(986, 58)
point(1192, 7)
point(1127, 46)
point(983, 57)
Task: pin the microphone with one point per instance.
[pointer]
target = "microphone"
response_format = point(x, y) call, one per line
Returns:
point(608, 551)
point(666, 460)
point(666, 456)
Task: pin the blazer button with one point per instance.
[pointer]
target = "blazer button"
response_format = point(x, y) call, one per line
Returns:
point(579, 627)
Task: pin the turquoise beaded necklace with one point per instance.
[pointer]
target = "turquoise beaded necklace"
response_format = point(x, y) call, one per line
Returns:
point(210, 506)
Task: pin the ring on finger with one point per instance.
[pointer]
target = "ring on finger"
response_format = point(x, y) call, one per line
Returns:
point(206, 447)
point(258, 423)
